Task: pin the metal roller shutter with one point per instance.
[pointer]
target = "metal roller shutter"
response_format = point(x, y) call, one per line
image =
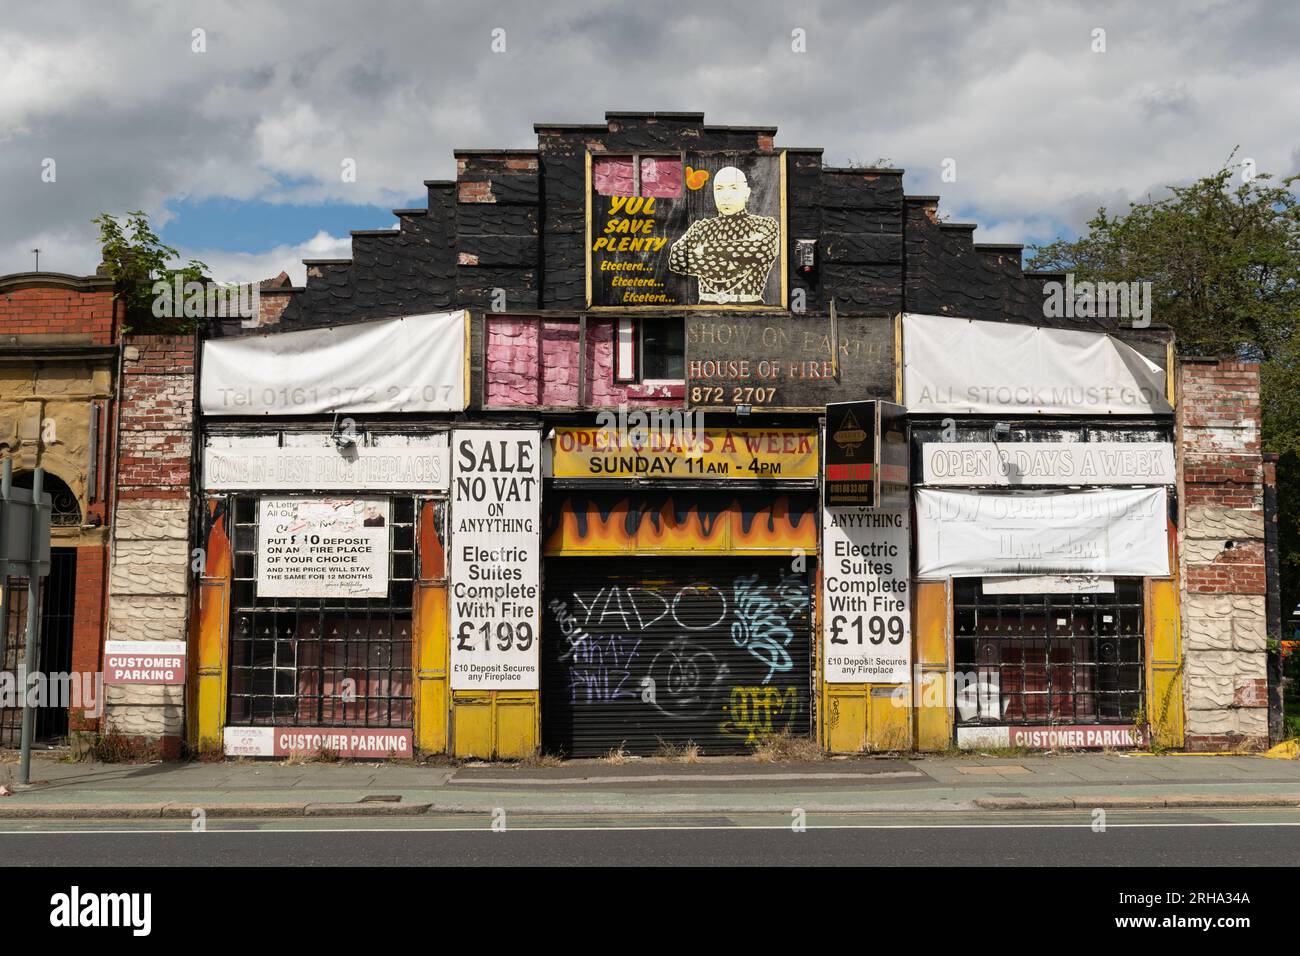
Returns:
point(640, 651)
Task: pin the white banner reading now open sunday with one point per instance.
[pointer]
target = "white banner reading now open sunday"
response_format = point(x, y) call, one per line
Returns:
point(1110, 531)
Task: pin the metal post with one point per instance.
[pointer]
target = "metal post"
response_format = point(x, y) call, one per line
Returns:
point(33, 606)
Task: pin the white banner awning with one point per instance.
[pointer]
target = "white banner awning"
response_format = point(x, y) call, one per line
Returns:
point(411, 364)
point(961, 366)
point(1109, 531)
point(312, 461)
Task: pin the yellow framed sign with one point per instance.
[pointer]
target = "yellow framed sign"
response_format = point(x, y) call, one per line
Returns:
point(690, 454)
point(687, 231)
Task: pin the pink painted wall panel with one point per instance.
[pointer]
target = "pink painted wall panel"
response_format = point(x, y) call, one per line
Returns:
point(510, 366)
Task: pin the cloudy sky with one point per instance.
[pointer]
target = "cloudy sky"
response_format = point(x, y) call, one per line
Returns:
point(236, 151)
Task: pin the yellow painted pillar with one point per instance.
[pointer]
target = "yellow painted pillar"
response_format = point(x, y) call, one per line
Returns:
point(210, 634)
point(934, 709)
point(429, 645)
point(1164, 669)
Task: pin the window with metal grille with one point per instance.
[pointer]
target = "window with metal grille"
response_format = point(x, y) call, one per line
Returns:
point(1048, 658)
point(65, 510)
point(322, 662)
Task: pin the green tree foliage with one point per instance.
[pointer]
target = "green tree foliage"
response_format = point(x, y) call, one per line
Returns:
point(135, 259)
point(1223, 258)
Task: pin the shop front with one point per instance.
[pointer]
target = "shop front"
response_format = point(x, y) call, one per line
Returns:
point(322, 555)
point(1046, 520)
point(678, 589)
point(326, 560)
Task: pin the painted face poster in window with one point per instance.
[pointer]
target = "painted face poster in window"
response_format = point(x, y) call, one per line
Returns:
point(691, 230)
point(495, 558)
point(323, 547)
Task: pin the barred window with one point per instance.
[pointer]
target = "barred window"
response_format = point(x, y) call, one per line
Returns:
point(1048, 658)
point(322, 662)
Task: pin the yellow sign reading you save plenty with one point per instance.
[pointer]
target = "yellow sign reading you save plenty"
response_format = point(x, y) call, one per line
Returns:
point(685, 453)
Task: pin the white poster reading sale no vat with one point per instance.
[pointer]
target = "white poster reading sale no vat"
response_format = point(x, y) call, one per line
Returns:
point(322, 547)
point(866, 621)
point(495, 563)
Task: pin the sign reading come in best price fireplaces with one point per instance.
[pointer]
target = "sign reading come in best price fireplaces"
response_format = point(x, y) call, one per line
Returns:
point(495, 559)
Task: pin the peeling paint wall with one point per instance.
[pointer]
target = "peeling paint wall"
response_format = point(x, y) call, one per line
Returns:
point(514, 376)
point(149, 573)
point(1222, 555)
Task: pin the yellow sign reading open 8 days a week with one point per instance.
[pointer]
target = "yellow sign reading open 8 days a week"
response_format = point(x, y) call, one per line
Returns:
point(717, 453)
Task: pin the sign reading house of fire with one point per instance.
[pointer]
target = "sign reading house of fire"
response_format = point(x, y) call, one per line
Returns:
point(704, 230)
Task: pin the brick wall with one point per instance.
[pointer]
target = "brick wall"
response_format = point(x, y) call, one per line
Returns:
point(1221, 485)
point(88, 625)
point(157, 417)
point(149, 579)
point(52, 304)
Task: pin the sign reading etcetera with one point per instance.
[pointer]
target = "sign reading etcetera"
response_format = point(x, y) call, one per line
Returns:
point(144, 662)
point(356, 742)
point(691, 453)
point(495, 559)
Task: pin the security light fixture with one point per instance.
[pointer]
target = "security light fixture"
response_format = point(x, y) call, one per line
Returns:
point(1001, 431)
point(805, 254)
point(342, 440)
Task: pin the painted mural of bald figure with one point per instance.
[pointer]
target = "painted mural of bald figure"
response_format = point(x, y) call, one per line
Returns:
point(731, 254)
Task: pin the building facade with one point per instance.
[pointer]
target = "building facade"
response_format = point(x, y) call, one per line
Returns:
point(59, 354)
point(661, 434)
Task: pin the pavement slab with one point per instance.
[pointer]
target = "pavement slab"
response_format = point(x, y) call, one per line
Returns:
point(940, 784)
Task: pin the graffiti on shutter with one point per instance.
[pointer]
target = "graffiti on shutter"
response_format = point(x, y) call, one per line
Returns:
point(717, 655)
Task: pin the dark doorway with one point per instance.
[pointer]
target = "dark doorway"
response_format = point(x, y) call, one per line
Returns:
point(58, 599)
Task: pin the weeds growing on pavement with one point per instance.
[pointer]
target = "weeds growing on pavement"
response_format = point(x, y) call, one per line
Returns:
point(688, 752)
point(788, 746)
point(539, 759)
point(617, 755)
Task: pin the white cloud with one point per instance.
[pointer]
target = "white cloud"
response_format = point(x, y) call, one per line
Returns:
point(1042, 128)
point(253, 267)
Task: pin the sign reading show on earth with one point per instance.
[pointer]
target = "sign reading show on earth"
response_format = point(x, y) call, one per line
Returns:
point(786, 362)
point(704, 230)
point(322, 547)
point(495, 565)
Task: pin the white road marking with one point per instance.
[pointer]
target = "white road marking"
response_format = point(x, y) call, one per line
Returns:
point(486, 828)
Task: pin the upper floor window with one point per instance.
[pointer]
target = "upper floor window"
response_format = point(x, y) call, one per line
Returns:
point(650, 349)
point(637, 175)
